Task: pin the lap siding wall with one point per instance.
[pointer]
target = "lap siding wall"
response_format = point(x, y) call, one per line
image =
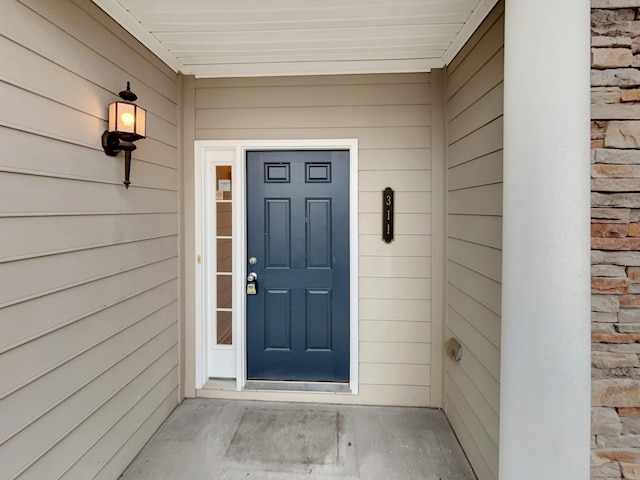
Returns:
point(89, 270)
point(474, 109)
point(390, 115)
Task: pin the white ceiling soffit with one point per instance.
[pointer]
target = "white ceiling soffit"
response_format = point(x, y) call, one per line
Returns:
point(249, 38)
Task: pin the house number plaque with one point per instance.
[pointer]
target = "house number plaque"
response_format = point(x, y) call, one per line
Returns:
point(387, 215)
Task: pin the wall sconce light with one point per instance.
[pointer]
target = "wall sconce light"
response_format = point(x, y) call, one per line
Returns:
point(127, 123)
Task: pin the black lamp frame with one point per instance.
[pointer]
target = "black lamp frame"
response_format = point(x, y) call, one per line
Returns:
point(112, 146)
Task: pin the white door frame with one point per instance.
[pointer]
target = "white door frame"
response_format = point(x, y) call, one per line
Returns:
point(234, 152)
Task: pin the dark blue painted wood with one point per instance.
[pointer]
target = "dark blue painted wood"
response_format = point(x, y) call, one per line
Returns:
point(278, 232)
point(277, 334)
point(318, 310)
point(298, 229)
point(318, 234)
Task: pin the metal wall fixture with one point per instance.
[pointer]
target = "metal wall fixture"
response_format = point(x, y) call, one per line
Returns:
point(454, 349)
point(127, 123)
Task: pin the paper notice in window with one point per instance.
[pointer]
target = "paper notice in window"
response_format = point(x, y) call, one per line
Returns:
point(224, 185)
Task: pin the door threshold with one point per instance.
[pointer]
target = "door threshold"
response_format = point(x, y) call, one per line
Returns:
point(321, 387)
point(227, 384)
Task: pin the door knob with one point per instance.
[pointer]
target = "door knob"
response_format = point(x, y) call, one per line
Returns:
point(252, 277)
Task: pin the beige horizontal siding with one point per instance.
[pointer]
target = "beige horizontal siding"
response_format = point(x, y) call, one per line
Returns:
point(79, 26)
point(75, 413)
point(147, 337)
point(395, 266)
point(80, 336)
point(400, 309)
point(386, 159)
point(22, 195)
point(476, 200)
point(486, 78)
point(483, 230)
point(89, 270)
point(484, 319)
point(401, 288)
point(484, 350)
point(317, 117)
point(390, 115)
point(480, 287)
point(78, 302)
point(394, 331)
point(474, 109)
point(485, 170)
point(465, 424)
point(483, 141)
point(83, 164)
point(408, 202)
point(372, 246)
point(486, 41)
point(394, 352)
point(393, 374)
point(282, 96)
point(67, 233)
point(484, 110)
point(79, 266)
point(384, 137)
point(484, 260)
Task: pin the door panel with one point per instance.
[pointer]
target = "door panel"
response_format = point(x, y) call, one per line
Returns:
point(298, 230)
point(318, 233)
point(318, 319)
point(277, 321)
point(278, 234)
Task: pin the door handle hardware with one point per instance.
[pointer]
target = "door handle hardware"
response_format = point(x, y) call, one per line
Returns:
point(252, 284)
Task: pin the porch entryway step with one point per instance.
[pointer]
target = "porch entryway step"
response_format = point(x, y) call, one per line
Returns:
point(231, 439)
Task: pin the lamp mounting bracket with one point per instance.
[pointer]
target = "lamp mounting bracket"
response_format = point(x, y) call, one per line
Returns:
point(112, 146)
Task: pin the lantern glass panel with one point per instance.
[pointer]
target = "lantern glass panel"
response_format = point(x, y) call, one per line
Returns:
point(141, 122)
point(112, 116)
point(126, 119)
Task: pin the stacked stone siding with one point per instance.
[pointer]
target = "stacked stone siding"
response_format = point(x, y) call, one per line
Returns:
point(615, 232)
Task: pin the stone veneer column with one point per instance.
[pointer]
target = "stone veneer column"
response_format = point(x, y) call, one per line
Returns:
point(615, 243)
point(545, 374)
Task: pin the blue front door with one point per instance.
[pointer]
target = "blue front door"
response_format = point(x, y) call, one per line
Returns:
point(298, 247)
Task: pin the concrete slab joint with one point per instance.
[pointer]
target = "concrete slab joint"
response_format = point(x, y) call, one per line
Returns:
point(615, 228)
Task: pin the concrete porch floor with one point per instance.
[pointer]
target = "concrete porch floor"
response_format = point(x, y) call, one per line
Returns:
point(224, 439)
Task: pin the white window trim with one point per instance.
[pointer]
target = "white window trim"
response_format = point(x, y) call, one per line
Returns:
point(203, 151)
